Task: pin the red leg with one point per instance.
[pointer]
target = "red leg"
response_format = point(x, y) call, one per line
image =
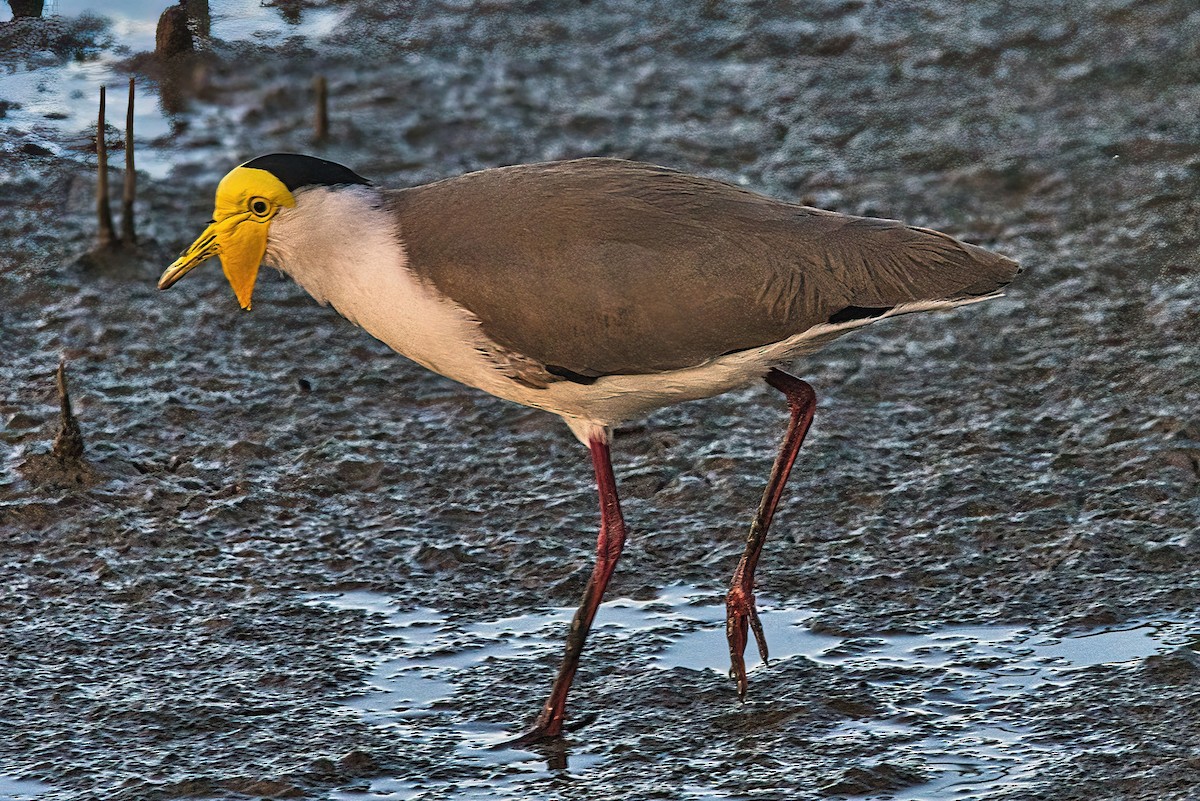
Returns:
point(608, 549)
point(740, 611)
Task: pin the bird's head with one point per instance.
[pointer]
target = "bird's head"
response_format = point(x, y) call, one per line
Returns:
point(249, 198)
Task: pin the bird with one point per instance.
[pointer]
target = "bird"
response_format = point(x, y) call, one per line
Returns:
point(597, 289)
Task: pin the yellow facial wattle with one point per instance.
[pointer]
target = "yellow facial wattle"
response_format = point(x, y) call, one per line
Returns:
point(247, 200)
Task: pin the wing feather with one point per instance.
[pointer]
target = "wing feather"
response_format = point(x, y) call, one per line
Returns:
point(602, 266)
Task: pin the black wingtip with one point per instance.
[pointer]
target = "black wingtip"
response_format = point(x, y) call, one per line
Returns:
point(852, 313)
point(571, 375)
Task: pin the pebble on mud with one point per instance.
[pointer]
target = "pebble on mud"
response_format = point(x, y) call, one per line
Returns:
point(26, 8)
point(31, 149)
point(1184, 459)
point(357, 763)
point(874, 778)
point(1180, 666)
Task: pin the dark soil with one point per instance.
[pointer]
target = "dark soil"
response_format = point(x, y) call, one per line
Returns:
point(1033, 461)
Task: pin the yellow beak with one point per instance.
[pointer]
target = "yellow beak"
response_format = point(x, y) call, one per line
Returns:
point(241, 244)
point(201, 250)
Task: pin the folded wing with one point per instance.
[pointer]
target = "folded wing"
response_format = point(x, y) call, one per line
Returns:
point(600, 266)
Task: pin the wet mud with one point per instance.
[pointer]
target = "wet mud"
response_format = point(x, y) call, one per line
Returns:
point(307, 568)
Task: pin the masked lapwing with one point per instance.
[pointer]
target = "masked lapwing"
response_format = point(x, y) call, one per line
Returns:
point(596, 289)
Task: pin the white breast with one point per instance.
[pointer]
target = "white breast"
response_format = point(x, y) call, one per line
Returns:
point(345, 250)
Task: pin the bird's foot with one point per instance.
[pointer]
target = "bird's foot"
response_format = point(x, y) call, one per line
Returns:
point(539, 732)
point(741, 616)
point(545, 729)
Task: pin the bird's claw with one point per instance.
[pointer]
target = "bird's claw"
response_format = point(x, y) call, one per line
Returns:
point(545, 731)
point(741, 618)
point(537, 733)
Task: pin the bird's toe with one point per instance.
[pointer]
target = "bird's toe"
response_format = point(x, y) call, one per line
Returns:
point(741, 618)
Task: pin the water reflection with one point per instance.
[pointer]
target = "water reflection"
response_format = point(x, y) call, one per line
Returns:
point(23, 789)
point(48, 99)
point(969, 673)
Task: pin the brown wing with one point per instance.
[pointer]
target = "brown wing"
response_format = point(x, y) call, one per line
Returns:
point(602, 266)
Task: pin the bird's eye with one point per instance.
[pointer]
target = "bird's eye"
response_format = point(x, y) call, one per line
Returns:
point(259, 207)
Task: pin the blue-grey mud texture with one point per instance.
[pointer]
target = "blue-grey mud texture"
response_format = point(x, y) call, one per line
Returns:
point(1031, 462)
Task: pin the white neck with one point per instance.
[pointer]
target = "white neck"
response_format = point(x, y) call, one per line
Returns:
point(332, 239)
point(343, 246)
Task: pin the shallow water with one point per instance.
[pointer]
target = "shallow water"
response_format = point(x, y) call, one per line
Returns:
point(958, 730)
point(134, 21)
point(22, 789)
point(58, 99)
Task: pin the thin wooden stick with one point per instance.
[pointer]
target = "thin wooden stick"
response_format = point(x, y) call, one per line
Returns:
point(68, 445)
point(128, 236)
point(321, 124)
point(106, 237)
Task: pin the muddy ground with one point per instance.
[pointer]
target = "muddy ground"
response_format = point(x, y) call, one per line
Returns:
point(169, 621)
